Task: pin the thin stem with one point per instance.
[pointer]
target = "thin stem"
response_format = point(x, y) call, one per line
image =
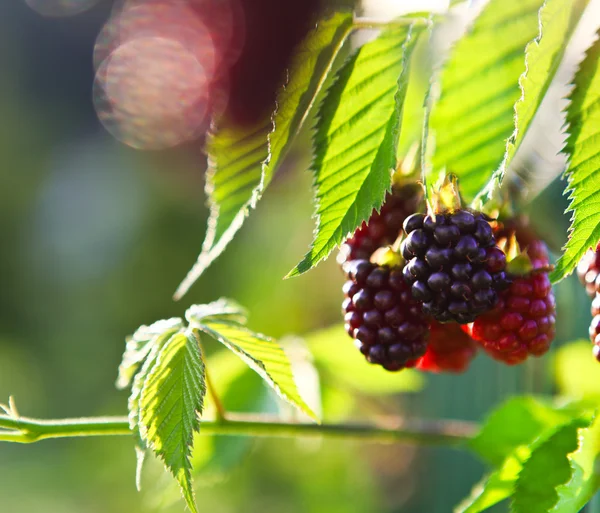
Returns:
point(372, 23)
point(221, 413)
point(446, 432)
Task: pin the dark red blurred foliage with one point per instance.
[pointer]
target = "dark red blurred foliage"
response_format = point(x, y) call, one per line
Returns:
point(273, 29)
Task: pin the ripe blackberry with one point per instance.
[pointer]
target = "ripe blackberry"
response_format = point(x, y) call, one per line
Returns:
point(454, 266)
point(383, 227)
point(449, 349)
point(588, 271)
point(595, 334)
point(523, 322)
point(388, 326)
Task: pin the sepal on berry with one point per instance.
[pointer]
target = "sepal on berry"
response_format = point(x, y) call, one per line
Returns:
point(387, 257)
point(446, 198)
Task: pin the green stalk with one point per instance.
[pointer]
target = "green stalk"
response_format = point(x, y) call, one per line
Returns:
point(445, 432)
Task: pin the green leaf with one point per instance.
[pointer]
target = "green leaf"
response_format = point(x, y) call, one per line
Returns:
point(139, 346)
point(242, 161)
point(583, 172)
point(222, 309)
point(474, 114)
point(261, 353)
point(534, 428)
point(356, 139)
point(558, 20)
point(585, 481)
point(492, 86)
point(519, 421)
point(547, 468)
point(584, 383)
point(171, 402)
point(155, 346)
point(337, 359)
point(495, 487)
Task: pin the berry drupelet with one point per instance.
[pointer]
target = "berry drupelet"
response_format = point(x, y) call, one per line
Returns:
point(588, 271)
point(383, 227)
point(449, 349)
point(388, 326)
point(454, 266)
point(523, 323)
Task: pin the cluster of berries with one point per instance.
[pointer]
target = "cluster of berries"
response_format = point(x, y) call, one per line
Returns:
point(588, 271)
point(449, 293)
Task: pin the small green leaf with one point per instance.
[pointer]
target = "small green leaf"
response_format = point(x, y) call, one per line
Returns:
point(519, 421)
point(547, 468)
point(495, 487)
point(139, 346)
point(165, 330)
point(171, 402)
point(585, 480)
point(242, 161)
point(558, 19)
point(534, 428)
point(583, 172)
point(261, 353)
point(356, 139)
point(223, 309)
point(337, 359)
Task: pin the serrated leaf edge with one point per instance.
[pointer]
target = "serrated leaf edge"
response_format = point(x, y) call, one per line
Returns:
point(497, 178)
point(402, 79)
point(582, 421)
point(561, 272)
point(210, 252)
point(257, 365)
point(183, 475)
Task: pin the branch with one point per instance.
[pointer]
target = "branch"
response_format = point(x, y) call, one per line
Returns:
point(446, 432)
point(27, 430)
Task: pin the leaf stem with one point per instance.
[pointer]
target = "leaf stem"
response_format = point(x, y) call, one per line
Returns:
point(421, 432)
point(221, 413)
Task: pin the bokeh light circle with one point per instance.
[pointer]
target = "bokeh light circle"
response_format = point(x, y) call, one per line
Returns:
point(152, 93)
point(199, 42)
point(59, 8)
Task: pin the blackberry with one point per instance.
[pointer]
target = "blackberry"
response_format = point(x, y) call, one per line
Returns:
point(383, 227)
point(588, 271)
point(449, 349)
point(595, 335)
point(523, 322)
point(388, 326)
point(454, 266)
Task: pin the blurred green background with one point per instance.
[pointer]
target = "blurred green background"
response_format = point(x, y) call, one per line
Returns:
point(95, 237)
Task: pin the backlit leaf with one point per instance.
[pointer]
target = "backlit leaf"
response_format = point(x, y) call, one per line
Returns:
point(261, 353)
point(171, 402)
point(356, 139)
point(583, 173)
point(242, 161)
